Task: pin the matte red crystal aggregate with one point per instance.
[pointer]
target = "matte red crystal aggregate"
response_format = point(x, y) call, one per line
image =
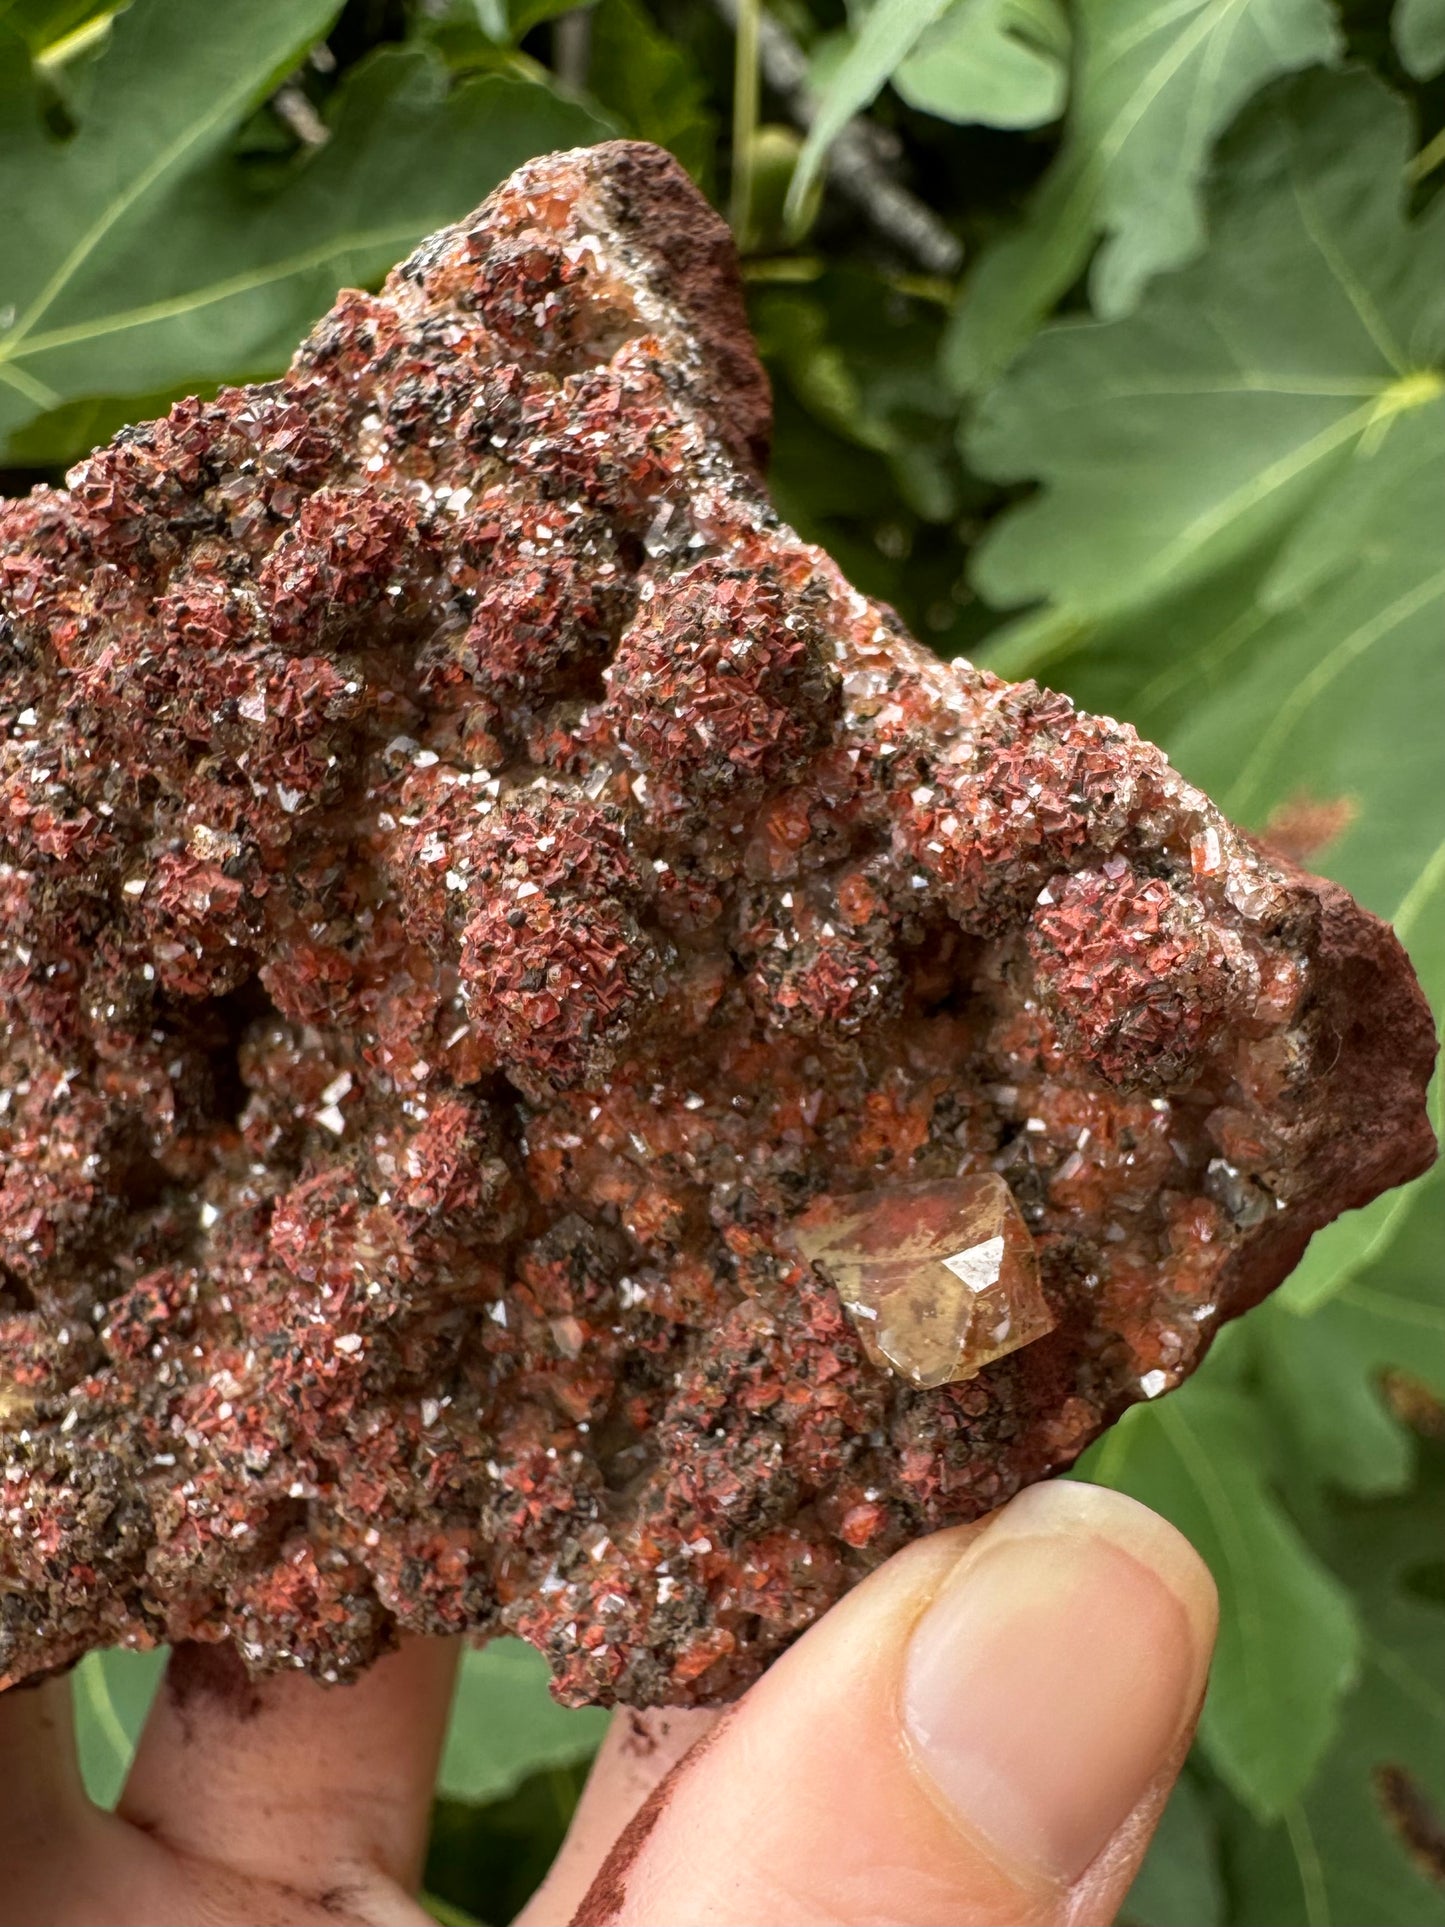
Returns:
point(469, 877)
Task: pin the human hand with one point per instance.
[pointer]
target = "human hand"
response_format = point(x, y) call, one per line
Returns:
point(984, 1732)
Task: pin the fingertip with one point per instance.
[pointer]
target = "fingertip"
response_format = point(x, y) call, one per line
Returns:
point(44, 1793)
point(1076, 1507)
point(1057, 1672)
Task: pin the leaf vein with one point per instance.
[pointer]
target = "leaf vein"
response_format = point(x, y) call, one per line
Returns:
point(1313, 1889)
point(1248, 1607)
point(27, 385)
point(1354, 291)
point(1159, 76)
point(1386, 1304)
point(1258, 489)
point(1329, 668)
point(197, 298)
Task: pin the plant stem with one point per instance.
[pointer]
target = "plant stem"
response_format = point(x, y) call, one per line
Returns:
point(745, 115)
point(855, 166)
point(76, 42)
point(572, 48)
point(1428, 158)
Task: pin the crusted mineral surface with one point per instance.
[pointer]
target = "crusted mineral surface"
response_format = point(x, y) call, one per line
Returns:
point(471, 882)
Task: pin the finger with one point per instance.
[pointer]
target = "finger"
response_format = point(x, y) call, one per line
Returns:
point(286, 1780)
point(44, 1799)
point(53, 1842)
point(981, 1733)
point(44, 1814)
point(640, 1750)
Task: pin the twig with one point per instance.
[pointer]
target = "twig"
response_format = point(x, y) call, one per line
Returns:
point(1427, 160)
point(855, 164)
point(295, 111)
point(572, 48)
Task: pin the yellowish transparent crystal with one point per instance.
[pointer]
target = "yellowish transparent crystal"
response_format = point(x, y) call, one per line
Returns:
point(939, 1278)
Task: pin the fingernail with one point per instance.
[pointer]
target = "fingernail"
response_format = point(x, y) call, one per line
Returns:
point(1056, 1672)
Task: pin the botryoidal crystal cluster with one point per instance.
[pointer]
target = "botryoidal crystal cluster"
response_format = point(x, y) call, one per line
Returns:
point(560, 1074)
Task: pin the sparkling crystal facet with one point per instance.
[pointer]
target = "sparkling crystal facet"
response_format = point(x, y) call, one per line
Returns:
point(939, 1278)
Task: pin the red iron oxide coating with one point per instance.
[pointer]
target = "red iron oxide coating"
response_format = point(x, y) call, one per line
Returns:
point(469, 877)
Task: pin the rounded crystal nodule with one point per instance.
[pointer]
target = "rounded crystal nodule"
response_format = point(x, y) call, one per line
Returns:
point(939, 1278)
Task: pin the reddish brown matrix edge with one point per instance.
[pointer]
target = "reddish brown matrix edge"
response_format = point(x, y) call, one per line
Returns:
point(471, 878)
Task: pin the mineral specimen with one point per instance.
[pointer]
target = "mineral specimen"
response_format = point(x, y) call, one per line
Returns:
point(472, 879)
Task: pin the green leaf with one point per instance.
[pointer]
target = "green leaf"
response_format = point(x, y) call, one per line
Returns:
point(173, 82)
point(997, 63)
point(1288, 1643)
point(842, 496)
point(1340, 696)
point(1394, 1316)
point(112, 1694)
point(1341, 1433)
point(1179, 1884)
point(1199, 428)
point(1322, 1370)
point(1364, 1841)
point(152, 259)
point(858, 353)
point(1419, 30)
point(651, 85)
point(506, 1726)
point(488, 1861)
point(1349, 1246)
point(1153, 87)
point(889, 33)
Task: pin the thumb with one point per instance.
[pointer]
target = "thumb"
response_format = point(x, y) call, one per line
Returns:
point(983, 1732)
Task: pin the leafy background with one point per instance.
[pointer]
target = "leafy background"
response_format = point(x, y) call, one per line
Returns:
point(1109, 345)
